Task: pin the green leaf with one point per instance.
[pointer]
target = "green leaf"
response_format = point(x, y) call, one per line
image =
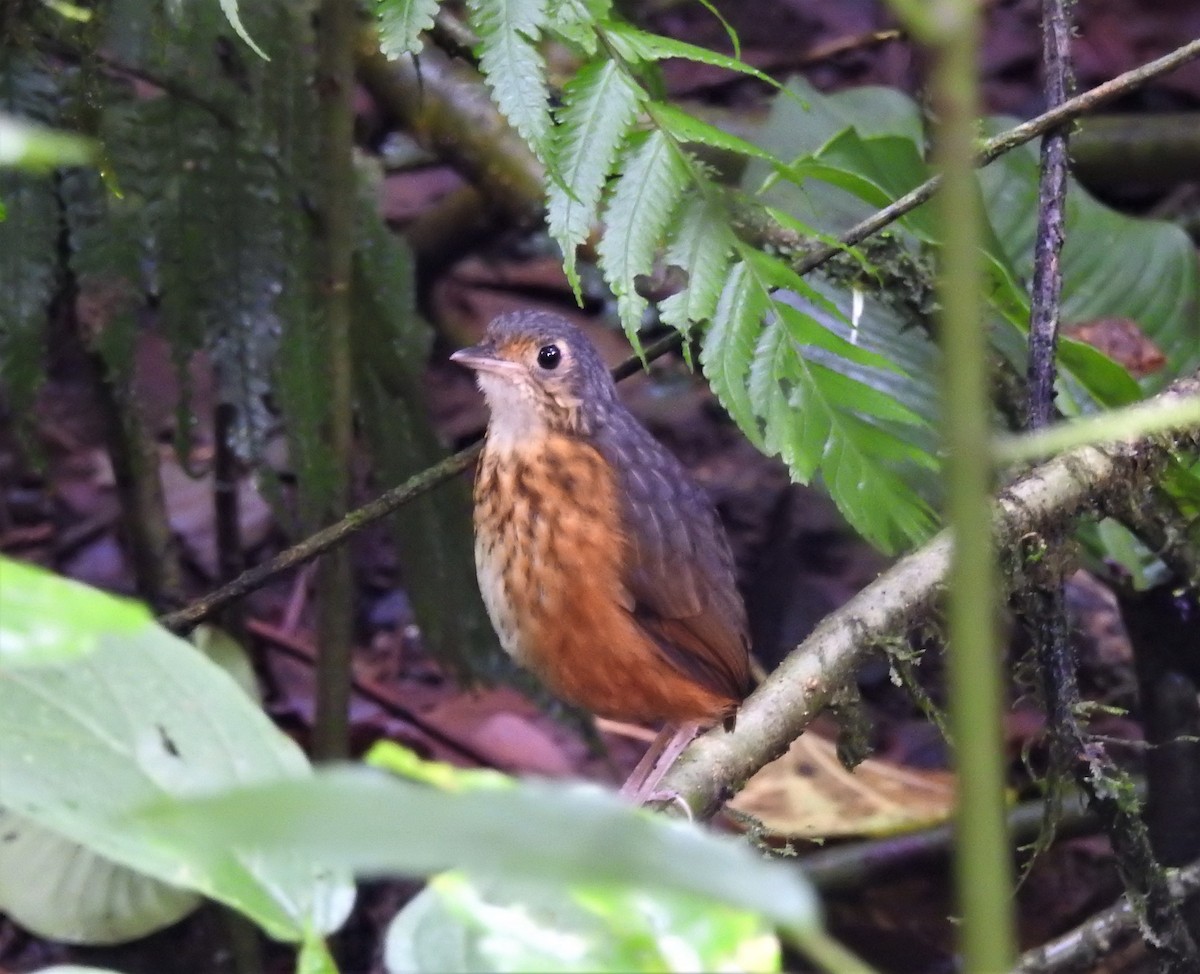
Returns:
point(512, 65)
point(79, 896)
point(688, 128)
point(729, 346)
point(145, 718)
point(546, 832)
point(26, 145)
point(463, 925)
point(700, 244)
point(401, 23)
point(1113, 265)
point(599, 105)
point(315, 957)
point(639, 45)
point(653, 176)
point(575, 21)
point(35, 626)
point(230, 9)
point(802, 387)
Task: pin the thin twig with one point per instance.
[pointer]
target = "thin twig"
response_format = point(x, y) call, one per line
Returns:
point(1091, 942)
point(992, 149)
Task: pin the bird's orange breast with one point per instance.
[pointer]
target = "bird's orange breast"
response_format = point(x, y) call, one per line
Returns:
point(549, 550)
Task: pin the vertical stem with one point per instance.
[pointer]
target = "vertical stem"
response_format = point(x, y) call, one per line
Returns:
point(335, 92)
point(1052, 193)
point(983, 865)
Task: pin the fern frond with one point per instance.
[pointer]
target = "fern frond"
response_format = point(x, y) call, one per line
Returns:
point(512, 65)
point(700, 244)
point(654, 175)
point(401, 23)
point(600, 104)
point(806, 393)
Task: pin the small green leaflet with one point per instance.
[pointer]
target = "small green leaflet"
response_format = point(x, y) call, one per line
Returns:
point(700, 243)
point(654, 174)
point(600, 104)
point(401, 23)
point(512, 65)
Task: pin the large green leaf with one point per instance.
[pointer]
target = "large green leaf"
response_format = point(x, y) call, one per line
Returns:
point(34, 630)
point(364, 820)
point(146, 718)
point(457, 924)
point(61, 890)
point(26, 145)
point(1113, 265)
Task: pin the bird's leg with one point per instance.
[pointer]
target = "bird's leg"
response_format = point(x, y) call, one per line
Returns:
point(657, 760)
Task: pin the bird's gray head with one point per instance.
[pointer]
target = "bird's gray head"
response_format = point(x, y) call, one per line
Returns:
point(539, 373)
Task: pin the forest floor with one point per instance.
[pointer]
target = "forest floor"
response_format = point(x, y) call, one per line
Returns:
point(797, 560)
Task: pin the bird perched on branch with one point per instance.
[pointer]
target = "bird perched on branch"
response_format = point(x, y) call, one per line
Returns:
point(603, 567)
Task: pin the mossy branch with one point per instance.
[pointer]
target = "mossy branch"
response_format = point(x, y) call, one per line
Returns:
point(1042, 502)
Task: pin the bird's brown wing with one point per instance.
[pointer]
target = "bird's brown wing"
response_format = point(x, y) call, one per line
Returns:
point(680, 572)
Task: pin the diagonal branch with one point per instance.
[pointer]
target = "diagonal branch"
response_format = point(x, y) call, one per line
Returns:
point(1041, 503)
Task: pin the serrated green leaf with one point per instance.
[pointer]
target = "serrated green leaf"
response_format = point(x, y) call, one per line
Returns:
point(653, 176)
point(728, 348)
point(575, 21)
point(401, 23)
point(639, 45)
point(688, 128)
point(599, 105)
point(700, 244)
point(512, 65)
point(823, 405)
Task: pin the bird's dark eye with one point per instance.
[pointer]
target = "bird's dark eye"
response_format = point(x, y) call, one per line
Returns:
point(549, 356)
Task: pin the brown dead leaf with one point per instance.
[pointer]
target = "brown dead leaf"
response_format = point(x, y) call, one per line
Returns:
point(1123, 341)
point(807, 793)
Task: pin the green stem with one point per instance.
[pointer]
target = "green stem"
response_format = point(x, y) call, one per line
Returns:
point(336, 39)
point(983, 865)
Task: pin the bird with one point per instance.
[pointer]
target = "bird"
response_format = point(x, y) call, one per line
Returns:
point(603, 566)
